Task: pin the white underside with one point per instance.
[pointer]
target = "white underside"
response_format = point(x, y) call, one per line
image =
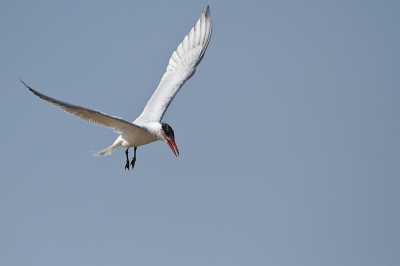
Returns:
point(135, 137)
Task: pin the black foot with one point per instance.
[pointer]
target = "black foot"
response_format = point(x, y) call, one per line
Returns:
point(134, 157)
point(127, 160)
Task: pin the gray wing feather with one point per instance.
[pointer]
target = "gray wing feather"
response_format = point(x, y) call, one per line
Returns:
point(89, 115)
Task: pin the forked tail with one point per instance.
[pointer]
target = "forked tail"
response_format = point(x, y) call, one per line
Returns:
point(109, 150)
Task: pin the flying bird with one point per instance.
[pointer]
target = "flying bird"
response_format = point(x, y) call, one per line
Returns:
point(148, 127)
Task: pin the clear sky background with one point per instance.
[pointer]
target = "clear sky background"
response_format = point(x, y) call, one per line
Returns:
point(288, 135)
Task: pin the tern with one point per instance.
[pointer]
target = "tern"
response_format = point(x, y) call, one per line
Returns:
point(148, 127)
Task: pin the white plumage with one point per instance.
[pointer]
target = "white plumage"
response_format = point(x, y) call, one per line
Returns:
point(147, 127)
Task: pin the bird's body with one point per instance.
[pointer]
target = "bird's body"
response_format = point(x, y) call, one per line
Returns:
point(141, 136)
point(148, 127)
point(135, 137)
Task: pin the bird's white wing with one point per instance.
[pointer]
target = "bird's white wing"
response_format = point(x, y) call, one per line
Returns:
point(89, 115)
point(181, 67)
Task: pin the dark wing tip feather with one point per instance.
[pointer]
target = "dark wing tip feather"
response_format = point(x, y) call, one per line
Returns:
point(208, 17)
point(32, 90)
point(24, 83)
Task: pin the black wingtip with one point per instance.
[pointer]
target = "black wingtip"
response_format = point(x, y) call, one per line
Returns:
point(32, 90)
point(23, 83)
point(208, 11)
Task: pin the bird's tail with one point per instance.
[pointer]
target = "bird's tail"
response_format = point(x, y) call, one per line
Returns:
point(109, 150)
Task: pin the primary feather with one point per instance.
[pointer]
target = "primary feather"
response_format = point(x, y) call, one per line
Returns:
point(181, 67)
point(92, 116)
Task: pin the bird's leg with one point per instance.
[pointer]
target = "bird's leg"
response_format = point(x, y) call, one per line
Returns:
point(127, 160)
point(134, 157)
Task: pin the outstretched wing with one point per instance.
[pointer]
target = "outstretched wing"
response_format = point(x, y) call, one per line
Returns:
point(181, 67)
point(89, 115)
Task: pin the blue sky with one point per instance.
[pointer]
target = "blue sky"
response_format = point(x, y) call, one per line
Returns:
point(288, 135)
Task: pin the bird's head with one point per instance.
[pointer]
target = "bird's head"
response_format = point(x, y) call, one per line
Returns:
point(169, 138)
